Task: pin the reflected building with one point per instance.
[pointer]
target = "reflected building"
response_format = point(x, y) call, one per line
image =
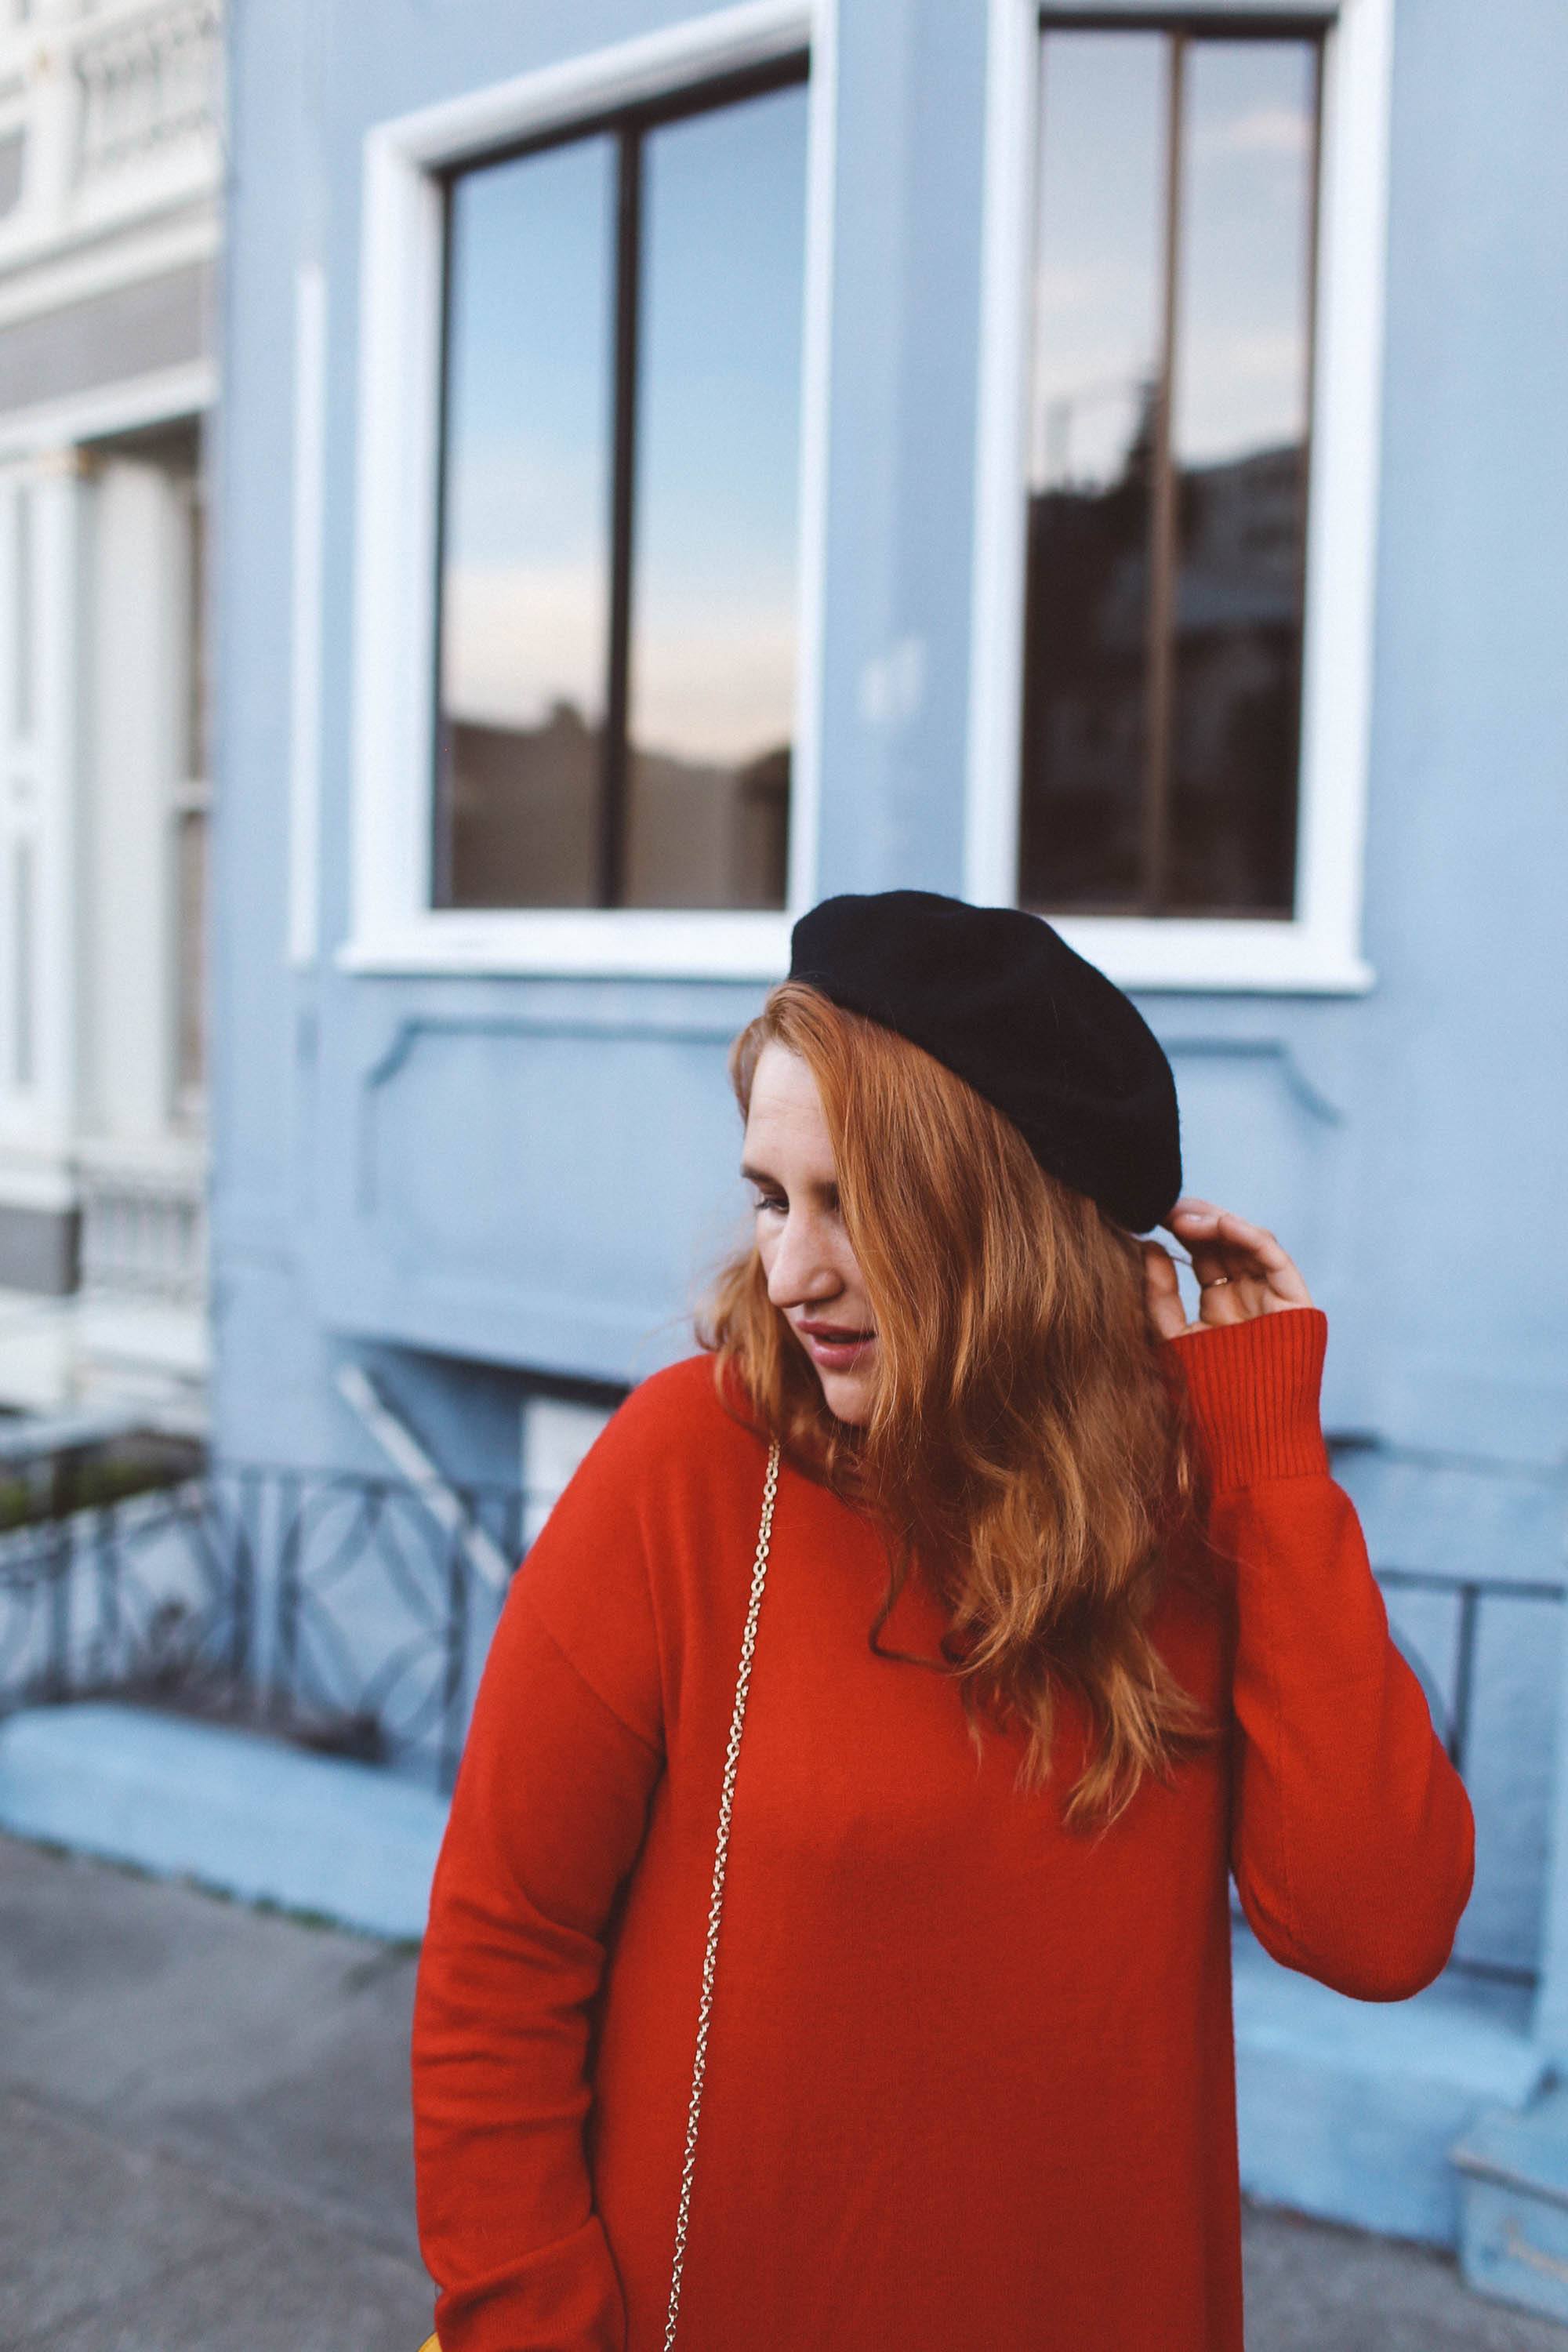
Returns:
point(1235, 618)
point(1236, 744)
point(1170, 391)
point(523, 821)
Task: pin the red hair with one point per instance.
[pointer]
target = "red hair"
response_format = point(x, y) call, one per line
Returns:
point(1025, 1443)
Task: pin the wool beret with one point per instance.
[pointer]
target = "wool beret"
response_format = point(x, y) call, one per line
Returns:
point(1000, 997)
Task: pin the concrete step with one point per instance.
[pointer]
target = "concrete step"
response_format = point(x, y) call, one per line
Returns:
point(1347, 2109)
point(1513, 2173)
point(231, 1810)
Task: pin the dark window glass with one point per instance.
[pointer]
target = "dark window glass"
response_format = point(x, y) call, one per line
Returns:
point(1099, 282)
point(1168, 473)
point(714, 575)
point(525, 583)
point(619, 550)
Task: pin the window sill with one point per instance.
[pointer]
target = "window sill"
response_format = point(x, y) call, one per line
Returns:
point(1240, 956)
point(1262, 958)
point(640, 943)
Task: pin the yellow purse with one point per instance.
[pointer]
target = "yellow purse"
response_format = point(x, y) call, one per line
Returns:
point(716, 1903)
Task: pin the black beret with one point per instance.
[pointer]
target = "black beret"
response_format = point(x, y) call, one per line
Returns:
point(999, 997)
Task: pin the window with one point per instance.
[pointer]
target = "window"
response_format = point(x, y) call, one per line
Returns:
point(1173, 608)
point(618, 539)
point(1168, 470)
point(587, 671)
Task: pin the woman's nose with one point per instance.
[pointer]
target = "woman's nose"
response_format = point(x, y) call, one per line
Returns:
point(799, 1271)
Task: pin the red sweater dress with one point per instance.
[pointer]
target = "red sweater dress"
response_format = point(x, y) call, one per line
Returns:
point(970, 2078)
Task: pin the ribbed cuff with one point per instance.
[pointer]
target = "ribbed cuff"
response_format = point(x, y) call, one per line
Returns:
point(1255, 1388)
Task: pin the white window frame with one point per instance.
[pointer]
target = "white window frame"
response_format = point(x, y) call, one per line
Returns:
point(1319, 949)
point(393, 926)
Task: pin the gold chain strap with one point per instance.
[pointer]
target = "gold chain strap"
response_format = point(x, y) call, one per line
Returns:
point(716, 1901)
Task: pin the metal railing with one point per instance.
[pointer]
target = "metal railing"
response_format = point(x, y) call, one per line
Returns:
point(1436, 1620)
point(327, 1608)
point(1453, 1707)
point(1452, 1696)
point(353, 1615)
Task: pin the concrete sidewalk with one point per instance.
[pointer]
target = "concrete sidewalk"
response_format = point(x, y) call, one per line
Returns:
point(204, 2142)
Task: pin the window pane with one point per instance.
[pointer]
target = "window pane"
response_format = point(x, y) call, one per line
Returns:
point(525, 529)
point(1239, 443)
point(714, 532)
point(1097, 318)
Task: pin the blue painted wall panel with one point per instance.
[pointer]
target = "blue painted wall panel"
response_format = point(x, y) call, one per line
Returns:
point(1439, 1103)
point(460, 1181)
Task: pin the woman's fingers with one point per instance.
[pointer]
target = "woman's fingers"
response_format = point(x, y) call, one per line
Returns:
point(1220, 1233)
point(1197, 1222)
point(1265, 1260)
point(1243, 1267)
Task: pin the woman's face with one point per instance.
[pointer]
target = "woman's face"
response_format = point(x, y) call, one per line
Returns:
point(812, 1276)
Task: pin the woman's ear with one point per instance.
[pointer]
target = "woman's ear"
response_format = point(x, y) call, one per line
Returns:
point(1163, 1291)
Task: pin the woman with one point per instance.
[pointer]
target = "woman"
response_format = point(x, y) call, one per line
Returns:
point(1065, 1620)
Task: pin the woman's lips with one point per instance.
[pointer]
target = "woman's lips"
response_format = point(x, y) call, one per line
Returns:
point(841, 1355)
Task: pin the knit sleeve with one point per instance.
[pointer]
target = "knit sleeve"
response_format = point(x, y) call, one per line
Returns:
point(548, 1818)
point(1353, 1842)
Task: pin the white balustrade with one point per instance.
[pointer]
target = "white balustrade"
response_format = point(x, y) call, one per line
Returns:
point(143, 1236)
point(144, 82)
point(104, 109)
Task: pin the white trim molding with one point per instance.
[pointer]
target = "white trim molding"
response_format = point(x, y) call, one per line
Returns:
point(305, 665)
point(619, 941)
point(393, 926)
point(143, 249)
point(123, 407)
point(1318, 951)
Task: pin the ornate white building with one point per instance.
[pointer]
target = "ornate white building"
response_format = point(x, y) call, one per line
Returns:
point(110, 163)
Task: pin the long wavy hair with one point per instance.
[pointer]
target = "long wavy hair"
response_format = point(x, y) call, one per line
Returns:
point(1026, 1450)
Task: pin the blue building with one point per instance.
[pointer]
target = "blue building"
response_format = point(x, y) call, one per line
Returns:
point(679, 462)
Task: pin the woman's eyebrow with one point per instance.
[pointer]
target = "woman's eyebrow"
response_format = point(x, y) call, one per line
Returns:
point(762, 1176)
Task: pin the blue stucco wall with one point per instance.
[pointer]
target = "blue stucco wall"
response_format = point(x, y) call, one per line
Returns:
point(464, 1180)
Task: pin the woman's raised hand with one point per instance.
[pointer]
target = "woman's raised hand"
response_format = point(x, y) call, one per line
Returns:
point(1241, 1269)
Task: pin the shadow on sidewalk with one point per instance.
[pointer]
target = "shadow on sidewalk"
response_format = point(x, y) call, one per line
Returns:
point(205, 2141)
